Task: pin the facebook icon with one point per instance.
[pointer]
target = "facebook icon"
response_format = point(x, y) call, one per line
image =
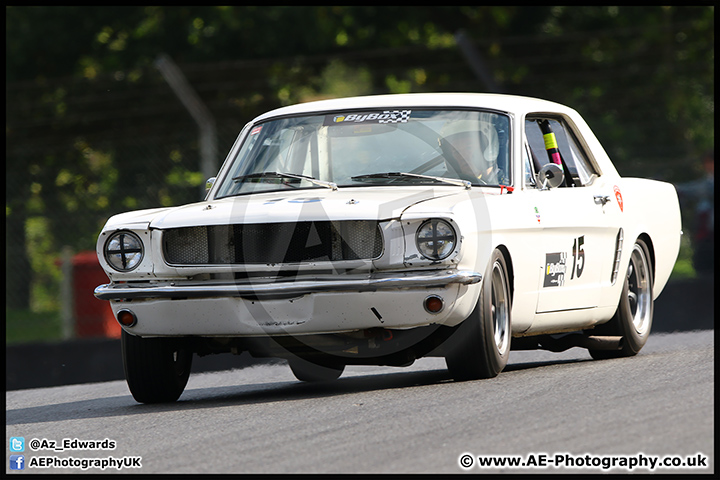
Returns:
point(17, 462)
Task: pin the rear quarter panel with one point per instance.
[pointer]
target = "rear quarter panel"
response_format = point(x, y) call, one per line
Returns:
point(651, 207)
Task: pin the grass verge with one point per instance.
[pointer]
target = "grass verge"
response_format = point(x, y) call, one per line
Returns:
point(24, 326)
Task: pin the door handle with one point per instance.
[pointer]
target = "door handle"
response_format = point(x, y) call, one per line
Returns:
point(601, 199)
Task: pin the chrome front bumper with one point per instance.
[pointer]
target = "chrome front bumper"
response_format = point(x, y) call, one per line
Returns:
point(297, 286)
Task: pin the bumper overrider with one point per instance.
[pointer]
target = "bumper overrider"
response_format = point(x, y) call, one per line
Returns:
point(259, 288)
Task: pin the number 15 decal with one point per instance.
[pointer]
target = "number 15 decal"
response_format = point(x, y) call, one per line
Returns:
point(578, 254)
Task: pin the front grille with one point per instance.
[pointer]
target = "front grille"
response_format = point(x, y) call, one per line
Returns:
point(273, 243)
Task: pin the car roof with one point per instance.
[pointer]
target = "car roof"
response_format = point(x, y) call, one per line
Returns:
point(506, 103)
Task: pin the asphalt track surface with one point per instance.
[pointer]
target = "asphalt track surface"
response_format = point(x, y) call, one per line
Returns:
point(659, 404)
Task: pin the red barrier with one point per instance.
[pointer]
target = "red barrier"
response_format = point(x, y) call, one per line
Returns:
point(93, 317)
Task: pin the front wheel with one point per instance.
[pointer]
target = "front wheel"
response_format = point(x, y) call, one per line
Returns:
point(156, 369)
point(634, 315)
point(482, 343)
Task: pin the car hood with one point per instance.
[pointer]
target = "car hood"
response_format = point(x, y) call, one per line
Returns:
point(368, 203)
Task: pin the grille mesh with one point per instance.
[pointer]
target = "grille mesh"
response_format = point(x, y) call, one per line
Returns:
point(273, 243)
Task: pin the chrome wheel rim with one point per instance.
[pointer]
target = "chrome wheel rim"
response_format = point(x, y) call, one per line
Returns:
point(639, 290)
point(500, 309)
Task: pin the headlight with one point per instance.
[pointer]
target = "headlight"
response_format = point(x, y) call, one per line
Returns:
point(435, 239)
point(124, 251)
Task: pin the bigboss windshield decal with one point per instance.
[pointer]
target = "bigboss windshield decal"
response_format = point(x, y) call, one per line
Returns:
point(386, 116)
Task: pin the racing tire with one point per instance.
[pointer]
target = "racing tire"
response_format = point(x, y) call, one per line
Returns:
point(156, 369)
point(307, 371)
point(634, 315)
point(481, 346)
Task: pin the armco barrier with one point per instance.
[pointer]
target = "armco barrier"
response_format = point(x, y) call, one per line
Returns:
point(88, 360)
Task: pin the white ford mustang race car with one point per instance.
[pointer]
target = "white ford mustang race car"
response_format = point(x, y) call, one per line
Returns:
point(377, 230)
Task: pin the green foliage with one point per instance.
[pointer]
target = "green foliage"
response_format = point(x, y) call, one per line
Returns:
point(336, 80)
point(45, 286)
point(23, 326)
point(673, 46)
point(184, 178)
point(683, 267)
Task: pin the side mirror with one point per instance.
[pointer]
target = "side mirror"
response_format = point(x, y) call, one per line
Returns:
point(209, 183)
point(550, 176)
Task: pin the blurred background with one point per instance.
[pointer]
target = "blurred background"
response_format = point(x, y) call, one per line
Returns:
point(110, 109)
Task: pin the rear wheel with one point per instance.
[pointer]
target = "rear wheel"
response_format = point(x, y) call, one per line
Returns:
point(634, 315)
point(156, 369)
point(481, 346)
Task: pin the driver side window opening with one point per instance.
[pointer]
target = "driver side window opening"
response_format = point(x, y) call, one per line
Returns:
point(578, 169)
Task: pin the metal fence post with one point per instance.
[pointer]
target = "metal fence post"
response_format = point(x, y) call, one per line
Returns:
point(202, 116)
point(67, 295)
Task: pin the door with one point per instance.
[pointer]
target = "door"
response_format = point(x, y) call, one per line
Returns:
point(577, 238)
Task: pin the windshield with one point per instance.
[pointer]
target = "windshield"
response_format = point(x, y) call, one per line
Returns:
point(384, 147)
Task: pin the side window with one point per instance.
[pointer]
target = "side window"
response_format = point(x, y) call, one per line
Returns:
point(560, 147)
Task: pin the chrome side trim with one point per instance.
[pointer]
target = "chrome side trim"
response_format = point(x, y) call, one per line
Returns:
point(618, 251)
point(268, 287)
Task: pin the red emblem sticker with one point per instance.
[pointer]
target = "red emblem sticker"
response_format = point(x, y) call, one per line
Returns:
point(618, 197)
point(256, 130)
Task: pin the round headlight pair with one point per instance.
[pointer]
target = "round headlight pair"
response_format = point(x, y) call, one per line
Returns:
point(124, 251)
point(436, 239)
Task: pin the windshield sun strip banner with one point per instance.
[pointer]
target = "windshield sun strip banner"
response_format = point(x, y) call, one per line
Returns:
point(385, 116)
